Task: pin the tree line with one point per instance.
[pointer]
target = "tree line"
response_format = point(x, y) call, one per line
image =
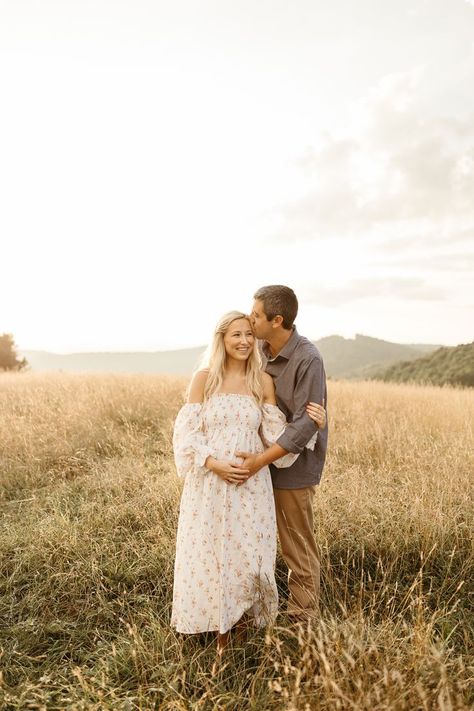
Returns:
point(9, 359)
point(445, 366)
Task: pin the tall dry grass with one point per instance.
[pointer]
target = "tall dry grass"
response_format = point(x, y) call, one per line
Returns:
point(89, 502)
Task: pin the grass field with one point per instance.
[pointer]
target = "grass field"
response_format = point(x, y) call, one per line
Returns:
point(89, 501)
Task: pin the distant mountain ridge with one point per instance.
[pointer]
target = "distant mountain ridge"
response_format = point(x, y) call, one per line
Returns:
point(445, 366)
point(359, 357)
point(179, 362)
point(363, 356)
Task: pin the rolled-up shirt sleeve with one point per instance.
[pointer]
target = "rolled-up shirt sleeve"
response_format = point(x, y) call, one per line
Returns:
point(273, 424)
point(309, 387)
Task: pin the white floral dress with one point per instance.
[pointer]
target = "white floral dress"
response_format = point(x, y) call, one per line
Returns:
point(226, 539)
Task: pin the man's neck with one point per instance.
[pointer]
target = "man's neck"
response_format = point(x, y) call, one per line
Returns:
point(279, 340)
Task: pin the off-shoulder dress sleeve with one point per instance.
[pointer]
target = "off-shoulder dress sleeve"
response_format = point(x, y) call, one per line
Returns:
point(190, 445)
point(272, 427)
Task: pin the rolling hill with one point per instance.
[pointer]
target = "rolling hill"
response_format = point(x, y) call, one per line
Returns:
point(363, 356)
point(446, 366)
point(179, 362)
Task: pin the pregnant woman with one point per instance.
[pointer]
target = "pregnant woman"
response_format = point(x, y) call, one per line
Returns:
point(226, 539)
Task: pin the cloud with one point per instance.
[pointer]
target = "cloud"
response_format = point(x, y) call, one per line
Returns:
point(426, 237)
point(441, 262)
point(398, 173)
point(410, 288)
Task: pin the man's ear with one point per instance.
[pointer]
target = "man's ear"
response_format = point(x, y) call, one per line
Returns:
point(277, 321)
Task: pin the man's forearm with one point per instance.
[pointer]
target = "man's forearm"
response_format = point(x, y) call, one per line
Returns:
point(270, 454)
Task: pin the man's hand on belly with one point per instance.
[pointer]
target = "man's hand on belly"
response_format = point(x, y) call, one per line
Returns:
point(252, 463)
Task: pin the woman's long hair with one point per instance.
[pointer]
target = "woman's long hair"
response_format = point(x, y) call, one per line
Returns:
point(214, 360)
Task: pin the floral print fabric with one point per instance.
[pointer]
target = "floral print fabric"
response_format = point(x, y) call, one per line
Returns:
point(226, 539)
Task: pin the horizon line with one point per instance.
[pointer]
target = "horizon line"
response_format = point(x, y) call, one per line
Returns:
point(194, 347)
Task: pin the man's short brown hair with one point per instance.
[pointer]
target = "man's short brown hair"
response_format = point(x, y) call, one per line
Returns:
point(278, 300)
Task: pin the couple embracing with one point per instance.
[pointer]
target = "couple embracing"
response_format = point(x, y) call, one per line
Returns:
point(250, 443)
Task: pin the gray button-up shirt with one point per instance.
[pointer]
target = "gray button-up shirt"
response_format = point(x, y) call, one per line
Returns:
point(299, 377)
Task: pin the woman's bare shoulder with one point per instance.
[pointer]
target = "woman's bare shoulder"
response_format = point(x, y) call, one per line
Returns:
point(197, 386)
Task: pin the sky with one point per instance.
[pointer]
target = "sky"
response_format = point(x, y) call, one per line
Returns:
point(160, 161)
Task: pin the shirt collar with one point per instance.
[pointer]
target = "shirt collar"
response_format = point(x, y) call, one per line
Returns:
point(287, 349)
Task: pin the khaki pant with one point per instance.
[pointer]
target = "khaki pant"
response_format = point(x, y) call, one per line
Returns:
point(294, 515)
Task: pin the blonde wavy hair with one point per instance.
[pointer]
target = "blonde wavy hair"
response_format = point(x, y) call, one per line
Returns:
point(215, 356)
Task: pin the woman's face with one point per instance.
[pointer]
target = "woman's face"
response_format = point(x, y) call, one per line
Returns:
point(239, 339)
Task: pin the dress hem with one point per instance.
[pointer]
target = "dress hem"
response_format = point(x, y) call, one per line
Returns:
point(253, 620)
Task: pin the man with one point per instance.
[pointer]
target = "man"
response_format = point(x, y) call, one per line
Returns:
point(296, 367)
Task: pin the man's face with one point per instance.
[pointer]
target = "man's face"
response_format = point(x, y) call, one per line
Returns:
point(261, 327)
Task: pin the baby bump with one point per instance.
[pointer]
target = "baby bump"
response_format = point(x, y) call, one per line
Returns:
point(225, 447)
